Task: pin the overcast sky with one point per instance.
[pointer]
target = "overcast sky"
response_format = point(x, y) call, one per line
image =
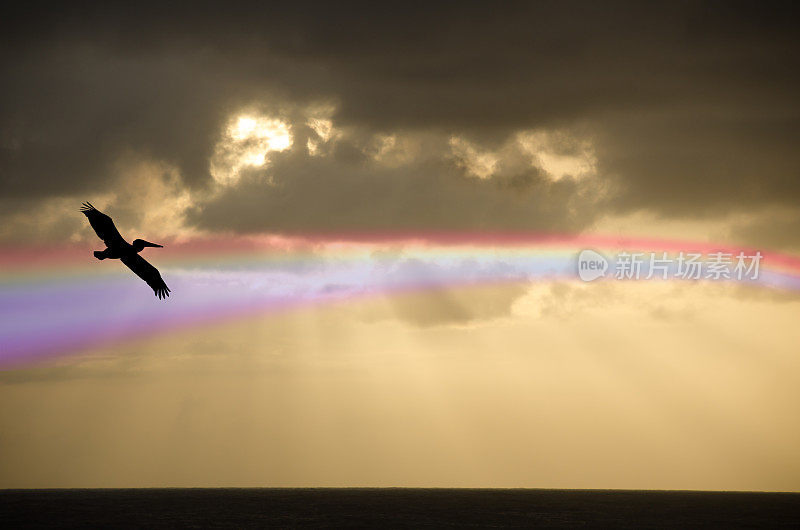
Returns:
point(553, 116)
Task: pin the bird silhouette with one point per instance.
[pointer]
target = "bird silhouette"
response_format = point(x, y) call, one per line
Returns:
point(127, 253)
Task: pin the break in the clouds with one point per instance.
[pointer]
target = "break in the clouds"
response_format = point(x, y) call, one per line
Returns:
point(360, 116)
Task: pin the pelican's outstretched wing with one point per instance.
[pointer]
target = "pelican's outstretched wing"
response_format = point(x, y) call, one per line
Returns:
point(148, 273)
point(103, 225)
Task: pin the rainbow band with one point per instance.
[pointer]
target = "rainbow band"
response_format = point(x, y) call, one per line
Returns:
point(55, 301)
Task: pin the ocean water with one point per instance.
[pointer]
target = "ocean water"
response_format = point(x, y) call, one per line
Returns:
point(398, 508)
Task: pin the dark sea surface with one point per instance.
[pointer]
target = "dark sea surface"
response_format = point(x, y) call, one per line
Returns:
point(406, 508)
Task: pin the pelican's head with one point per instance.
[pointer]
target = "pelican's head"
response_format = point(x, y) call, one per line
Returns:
point(140, 244)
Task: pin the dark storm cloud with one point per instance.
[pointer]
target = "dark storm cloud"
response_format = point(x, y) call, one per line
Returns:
point(347, 190)
point(71, 111)
point(693, 106)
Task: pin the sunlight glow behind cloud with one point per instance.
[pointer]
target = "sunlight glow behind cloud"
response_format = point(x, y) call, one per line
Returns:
point(577, 159)
point(247, 142)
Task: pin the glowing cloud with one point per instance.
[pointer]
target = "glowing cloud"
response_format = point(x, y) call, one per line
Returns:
point(247, 142)
point(578, 161)
point(479, 163)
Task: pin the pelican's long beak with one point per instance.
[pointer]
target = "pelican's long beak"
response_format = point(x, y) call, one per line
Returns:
point(149, 244)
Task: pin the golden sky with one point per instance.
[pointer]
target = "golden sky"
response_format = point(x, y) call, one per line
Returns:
point(564, 385)
point(657, 121)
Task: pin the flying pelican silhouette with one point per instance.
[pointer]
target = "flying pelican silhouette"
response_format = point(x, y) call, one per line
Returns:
point(118, 248)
